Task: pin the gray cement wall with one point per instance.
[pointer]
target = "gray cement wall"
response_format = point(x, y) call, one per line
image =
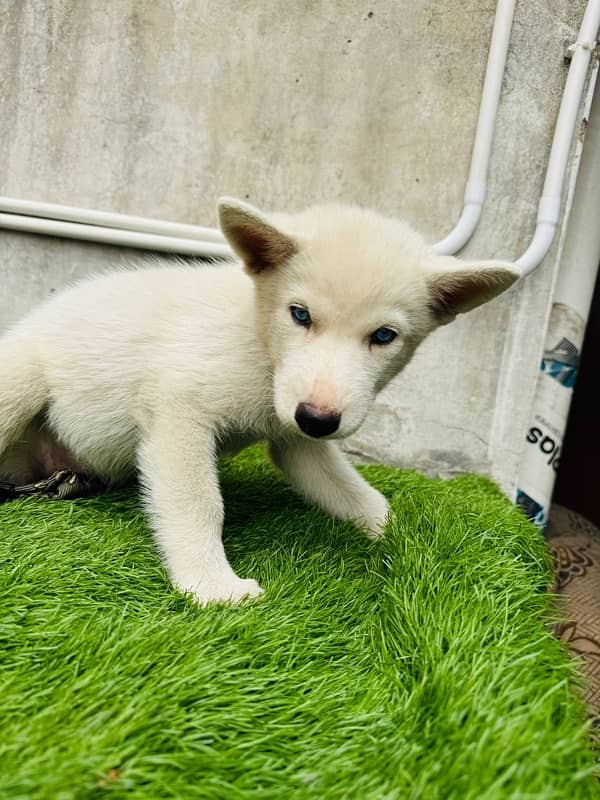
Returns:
point(156, 108)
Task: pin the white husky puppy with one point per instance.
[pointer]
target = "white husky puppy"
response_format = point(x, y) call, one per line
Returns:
point(159, 370)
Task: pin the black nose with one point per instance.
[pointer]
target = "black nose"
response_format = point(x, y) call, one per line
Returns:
point(315, 422)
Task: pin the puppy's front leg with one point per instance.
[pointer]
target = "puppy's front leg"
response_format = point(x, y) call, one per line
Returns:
point(178, 467)
point(320, 472)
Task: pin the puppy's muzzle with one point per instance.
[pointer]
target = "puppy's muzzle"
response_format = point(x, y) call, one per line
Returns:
point(316, 422)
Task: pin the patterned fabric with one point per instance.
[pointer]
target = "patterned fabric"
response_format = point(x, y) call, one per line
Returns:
point(575, 544)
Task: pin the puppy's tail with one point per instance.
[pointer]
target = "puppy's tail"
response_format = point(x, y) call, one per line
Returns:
point(23, 390)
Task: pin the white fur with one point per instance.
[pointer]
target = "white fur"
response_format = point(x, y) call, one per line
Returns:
point(160, 370)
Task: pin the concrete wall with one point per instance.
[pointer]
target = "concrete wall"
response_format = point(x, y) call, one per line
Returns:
point(156, 108)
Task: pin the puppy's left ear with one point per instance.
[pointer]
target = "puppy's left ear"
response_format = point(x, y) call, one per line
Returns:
point(255, 239)
point(456, 287)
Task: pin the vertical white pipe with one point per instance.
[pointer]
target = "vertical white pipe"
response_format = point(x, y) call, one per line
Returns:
point(14, 213)
point(550, 201)
point(486, 124)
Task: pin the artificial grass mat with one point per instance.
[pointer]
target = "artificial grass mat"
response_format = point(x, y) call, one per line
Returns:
point(417, 667)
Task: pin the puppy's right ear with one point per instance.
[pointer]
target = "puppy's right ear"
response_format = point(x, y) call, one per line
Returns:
point(259, 244)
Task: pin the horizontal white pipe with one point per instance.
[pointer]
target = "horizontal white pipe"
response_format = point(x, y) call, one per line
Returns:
point(51, 214)
point(484, 135)
point(122, 238)
point(150, 234)
point(550, 201)
point(10, 205)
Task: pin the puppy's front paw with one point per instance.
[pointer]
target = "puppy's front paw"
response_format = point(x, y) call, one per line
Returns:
point(374, 515)
point(227, 590)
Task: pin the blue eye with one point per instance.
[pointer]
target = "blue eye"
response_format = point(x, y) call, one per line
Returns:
point(301, 316)
point(383, 336)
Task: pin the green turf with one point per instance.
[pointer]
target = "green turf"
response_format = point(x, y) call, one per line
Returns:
point(415, 668)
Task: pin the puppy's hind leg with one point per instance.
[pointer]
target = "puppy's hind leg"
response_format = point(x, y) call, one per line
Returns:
point(23, 391)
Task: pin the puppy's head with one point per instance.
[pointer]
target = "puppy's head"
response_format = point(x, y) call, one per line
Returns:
point(344, 296)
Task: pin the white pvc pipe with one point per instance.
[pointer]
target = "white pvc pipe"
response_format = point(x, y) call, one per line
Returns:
point(482, 147)
point(122, 238)
point(19, 215)
point(581, 252)
point(550, 201)
point(9, 205)
point(171, 237)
